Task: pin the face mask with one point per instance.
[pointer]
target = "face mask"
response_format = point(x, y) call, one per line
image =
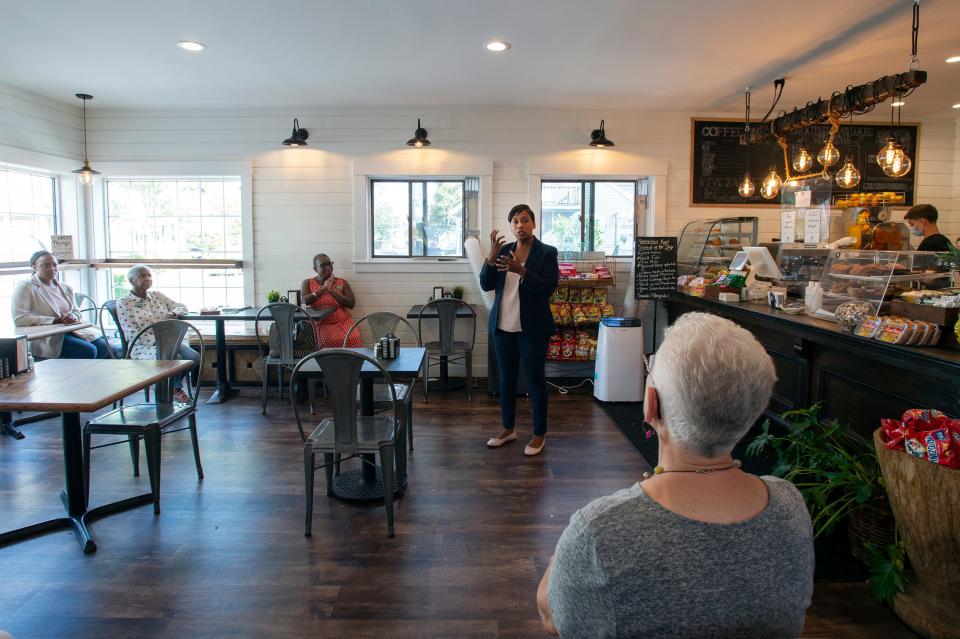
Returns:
point(917, 231)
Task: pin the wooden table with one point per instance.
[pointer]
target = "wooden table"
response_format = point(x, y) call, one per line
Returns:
point(8, 425)
point(365, 483)
point(55, 385)
point(223, 391)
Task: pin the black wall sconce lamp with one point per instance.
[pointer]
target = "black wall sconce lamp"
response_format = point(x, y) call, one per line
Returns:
point(298, 137)
point(419, 138)
point(599, 139)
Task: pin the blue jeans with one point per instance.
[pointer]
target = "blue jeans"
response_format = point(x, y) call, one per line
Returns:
point(185, 353)
point(78, 348)
point(510, 349)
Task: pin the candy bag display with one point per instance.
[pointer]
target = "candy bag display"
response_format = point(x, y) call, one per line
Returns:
point(925, 434)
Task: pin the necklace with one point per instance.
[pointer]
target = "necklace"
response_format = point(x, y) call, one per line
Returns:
point(659, 470)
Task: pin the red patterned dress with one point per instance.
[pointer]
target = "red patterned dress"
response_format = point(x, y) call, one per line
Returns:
point(333, 328)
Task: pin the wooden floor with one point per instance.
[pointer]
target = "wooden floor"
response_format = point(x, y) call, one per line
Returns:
point(227, 556)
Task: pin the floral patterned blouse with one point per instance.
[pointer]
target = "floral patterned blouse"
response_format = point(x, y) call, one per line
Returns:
point(136, 313)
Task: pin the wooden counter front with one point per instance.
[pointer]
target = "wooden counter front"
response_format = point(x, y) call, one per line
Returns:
point(857, 380)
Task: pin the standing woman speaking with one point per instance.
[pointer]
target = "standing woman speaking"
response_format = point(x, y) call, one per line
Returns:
point(524, 275)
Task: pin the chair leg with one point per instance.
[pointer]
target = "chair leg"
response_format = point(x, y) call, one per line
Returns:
point(151, 440)
point(426, 377)
point(311, 393)
point(263, 394)
point(134, 443)
point(86, 463)
point(410, 419)
point(336, 466)
point(280, 381)
point(308, 485)
point(328, 468)
point(192, 418)
point(469, 374)
point(386, 466)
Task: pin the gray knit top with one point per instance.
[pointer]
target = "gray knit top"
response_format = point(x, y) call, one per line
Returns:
point(628, 567)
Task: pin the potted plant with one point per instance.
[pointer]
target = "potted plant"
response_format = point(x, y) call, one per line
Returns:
point(458, 292)
point(837, 472)
point(273, 296)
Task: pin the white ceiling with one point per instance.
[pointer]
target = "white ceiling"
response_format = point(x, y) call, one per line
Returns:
point(677, 55)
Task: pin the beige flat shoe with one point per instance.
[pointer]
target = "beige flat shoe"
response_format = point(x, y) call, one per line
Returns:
point(497, 442)
point(530, 451)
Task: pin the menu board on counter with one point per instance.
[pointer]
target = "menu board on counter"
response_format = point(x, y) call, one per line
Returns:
point(718, 160)
point(655, 262)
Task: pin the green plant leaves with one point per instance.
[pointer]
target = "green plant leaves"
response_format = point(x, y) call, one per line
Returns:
point(886, 571)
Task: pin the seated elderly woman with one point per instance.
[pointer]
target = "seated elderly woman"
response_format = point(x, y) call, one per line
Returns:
point(44, 299)
point(326, 291)
point(699, 548)
point(141, 308)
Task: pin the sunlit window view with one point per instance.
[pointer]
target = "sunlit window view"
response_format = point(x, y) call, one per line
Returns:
point(589, 216)
point(186, 218)
point(418, 218)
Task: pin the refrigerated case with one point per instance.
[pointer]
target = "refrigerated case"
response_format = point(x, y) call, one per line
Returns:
point(713, 242)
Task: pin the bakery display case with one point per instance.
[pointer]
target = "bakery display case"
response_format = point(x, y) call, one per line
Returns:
point(713, 242)
point(876, 277)
point(872, 223)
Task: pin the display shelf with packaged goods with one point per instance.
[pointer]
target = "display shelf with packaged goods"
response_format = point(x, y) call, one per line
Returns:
point(582, 298)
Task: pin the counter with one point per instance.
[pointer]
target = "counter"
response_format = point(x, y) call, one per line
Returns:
point(857, 380)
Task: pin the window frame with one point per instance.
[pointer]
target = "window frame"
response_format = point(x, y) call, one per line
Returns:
point(56, 198)
point(584, 223)
point(410, 181)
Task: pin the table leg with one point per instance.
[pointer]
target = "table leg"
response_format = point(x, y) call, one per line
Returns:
point(223, 391)
point(7, 427)
point(367, 408)
point(74, 496)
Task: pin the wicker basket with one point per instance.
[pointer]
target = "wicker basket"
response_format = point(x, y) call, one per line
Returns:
point(870, 523)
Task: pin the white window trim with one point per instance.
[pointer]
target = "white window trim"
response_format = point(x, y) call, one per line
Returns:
point(414, 164)
point(173, 170)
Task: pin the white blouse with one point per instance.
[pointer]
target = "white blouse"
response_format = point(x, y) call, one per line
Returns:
point(135, 314)
point(508, 320)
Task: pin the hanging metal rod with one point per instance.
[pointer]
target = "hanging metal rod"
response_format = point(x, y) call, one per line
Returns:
point(856, 99)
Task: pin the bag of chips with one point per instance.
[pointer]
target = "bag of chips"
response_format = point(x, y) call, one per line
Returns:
point(600, 295)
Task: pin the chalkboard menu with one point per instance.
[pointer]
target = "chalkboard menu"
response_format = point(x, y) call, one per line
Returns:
point(718, 160)
point(655, 259)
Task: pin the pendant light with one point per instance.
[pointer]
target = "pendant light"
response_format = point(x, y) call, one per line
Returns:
point(599, 139)
point(419, 138)
point(802, 161)
point(746, 188)
point(828, 155)
point(85, 173)
point(896, 163)
point(298, 137)
point(848, 176)
point(770, 187)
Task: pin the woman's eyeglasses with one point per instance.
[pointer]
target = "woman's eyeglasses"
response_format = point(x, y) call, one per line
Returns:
point(324, 264)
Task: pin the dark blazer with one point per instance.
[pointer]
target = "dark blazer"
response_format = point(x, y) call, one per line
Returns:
point(535, 289)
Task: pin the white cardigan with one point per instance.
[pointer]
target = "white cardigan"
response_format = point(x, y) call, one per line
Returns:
point(31, 307)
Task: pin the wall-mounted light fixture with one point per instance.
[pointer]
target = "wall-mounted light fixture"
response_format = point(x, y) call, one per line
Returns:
point(298, 137)
point(599, 139)
point(85, 173)
point(419, 138)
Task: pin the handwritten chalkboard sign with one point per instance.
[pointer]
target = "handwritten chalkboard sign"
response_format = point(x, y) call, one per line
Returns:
point(718, 160)
point(655, 259)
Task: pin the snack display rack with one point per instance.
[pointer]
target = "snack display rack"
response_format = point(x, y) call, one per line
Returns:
point(582, 298)
point(713, 242)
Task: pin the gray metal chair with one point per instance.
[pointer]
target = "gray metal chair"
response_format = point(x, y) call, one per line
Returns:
point(345, 434)
point(380, 324)
point(448, 348)
point(115, 337)
point(151, 420)
point(85, 304)
point(283, 348)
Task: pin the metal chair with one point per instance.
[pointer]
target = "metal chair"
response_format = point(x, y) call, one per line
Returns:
point(151, 420)
point(117, 340)
point(448, 348)
point(85, 304)
point(346, 434)
point(380, 324)
point(282, 349)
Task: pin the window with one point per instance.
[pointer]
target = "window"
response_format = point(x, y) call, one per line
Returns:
point(178, 219)
point(27, 213)
point(420, 218)
point(588, 215)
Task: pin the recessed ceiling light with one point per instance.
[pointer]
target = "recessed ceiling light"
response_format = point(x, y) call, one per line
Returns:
point(954, 58)
point(190, 45)
point(956, 106)
point(496, 45)
point(897, 103)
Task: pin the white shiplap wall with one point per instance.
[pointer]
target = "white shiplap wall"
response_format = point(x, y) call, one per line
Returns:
point(34, 123)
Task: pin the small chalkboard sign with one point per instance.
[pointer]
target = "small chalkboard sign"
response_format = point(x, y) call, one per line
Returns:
point(655, 259)
point(718, 160)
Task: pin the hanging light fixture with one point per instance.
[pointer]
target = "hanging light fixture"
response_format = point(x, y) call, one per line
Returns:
point(896, 163)
point(848, 176)
point(746, 187)
point(419, 138)
point(802, 161)
point(599, 139)
point(298, 137)
point(828, 155)
point(85, 172)
point(770, 187)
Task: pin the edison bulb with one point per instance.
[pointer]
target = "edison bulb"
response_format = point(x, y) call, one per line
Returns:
point(899, 165)
point(848, 176)
point(746, 188)
point(828, 155)
point(771, 185)
point(802, 161)
point(885, 155)
point(86, 178)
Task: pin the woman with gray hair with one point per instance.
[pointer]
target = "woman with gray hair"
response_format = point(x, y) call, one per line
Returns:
point(699, 547)
point(141, 308)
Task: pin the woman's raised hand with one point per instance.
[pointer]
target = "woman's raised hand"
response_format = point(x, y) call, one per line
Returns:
point(496, 243)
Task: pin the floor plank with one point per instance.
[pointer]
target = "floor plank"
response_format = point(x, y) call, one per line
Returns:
point(227, 556)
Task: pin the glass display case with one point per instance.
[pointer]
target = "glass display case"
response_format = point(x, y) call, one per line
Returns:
point(713, 242)
point(872, 227)
point(876, 276)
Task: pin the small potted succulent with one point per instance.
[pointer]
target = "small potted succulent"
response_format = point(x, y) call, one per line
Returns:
point(273, 296)
point(458, 292)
